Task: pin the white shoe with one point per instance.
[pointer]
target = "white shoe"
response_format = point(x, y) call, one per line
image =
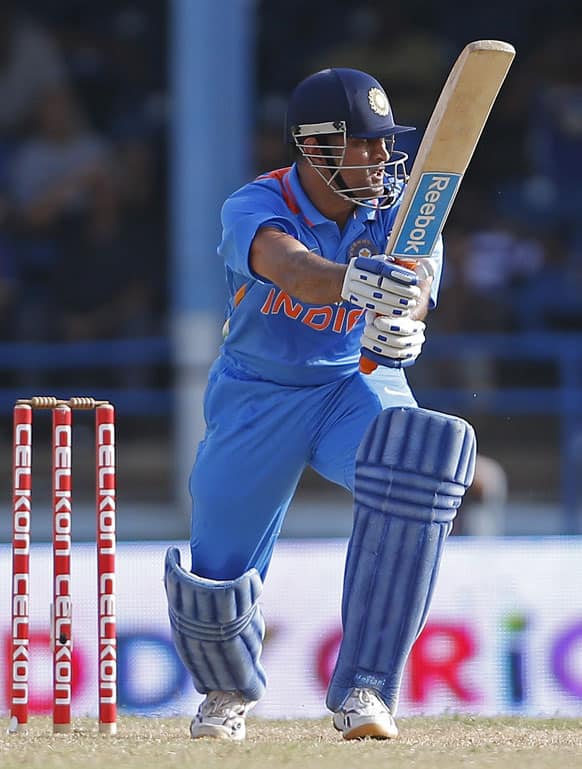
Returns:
point(221, 715)
point(363, 714)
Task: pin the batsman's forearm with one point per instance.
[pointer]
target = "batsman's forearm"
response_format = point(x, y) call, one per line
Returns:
point(290, 265)
point(313, 279)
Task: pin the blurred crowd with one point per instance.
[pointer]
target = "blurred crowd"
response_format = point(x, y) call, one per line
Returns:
point(82, 200)
point(83, 124)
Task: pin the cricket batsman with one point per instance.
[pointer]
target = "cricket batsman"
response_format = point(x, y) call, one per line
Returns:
point(309, 286)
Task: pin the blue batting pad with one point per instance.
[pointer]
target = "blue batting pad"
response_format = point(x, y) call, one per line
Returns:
point(412, 470)
point(218, 628)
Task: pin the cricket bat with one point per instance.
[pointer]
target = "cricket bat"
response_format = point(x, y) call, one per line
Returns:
point(444, 154)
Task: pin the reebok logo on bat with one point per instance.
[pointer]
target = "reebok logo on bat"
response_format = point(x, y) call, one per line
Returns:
point(426, 215)
point(417, 237)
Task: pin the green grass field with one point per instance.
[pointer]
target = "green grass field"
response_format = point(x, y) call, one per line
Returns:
point(431, 743)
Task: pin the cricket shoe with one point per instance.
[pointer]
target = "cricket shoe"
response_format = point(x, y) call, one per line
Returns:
point(221, 715)
point(363, 714)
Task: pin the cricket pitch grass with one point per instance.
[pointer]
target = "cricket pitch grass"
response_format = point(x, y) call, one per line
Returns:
point(428, 743)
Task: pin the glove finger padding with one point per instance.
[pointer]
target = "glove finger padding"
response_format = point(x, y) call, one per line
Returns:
point(404, 326)
point(398, 338)
point(391, 353)
point(380, 285)
point(378, 300)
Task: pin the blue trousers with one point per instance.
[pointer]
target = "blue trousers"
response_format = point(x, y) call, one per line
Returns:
point(260, 437)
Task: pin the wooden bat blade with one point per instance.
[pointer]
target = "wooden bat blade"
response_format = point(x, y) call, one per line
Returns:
point(444, 154)
point(448, 145)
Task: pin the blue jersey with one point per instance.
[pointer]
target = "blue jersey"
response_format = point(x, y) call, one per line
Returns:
point(271, 335)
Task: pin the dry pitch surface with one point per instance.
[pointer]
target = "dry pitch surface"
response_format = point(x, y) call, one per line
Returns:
point(427, 743)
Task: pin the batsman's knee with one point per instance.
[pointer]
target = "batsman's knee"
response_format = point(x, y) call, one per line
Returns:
point(218, 628)
point(415, 463)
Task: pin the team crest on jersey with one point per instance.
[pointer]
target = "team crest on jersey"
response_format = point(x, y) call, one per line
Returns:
point(378, 102)
point(362, 248)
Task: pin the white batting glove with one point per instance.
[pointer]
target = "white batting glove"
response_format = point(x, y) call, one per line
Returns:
point(377, 284)
point(398, 341)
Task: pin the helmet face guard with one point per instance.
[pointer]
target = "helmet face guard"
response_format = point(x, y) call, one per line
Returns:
point(329, 164)
point(348, 103)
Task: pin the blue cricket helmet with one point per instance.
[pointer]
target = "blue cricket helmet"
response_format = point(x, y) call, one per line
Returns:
point(343, 96)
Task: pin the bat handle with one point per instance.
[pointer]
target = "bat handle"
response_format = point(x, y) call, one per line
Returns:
point(367, 364)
